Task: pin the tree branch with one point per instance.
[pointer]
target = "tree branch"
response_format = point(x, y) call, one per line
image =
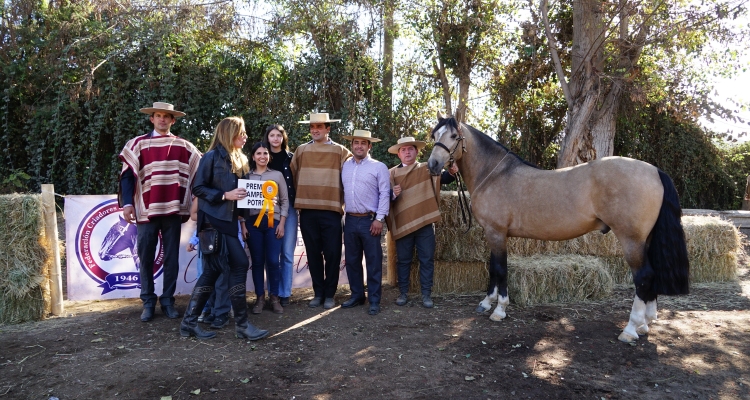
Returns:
point(555, 57)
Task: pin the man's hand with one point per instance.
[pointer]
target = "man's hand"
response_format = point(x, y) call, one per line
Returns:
point(376, 228)
point(190, 247)
point(128, 213)
point(397, 190)
point(453, 169)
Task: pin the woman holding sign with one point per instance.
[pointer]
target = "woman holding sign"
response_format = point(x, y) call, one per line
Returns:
point(268, 204)
point(216, 185)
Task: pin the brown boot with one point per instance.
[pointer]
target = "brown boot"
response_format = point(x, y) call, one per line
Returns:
point(276, 304)
point(260, 302)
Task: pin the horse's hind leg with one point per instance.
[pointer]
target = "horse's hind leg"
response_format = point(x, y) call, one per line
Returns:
point(644, 303)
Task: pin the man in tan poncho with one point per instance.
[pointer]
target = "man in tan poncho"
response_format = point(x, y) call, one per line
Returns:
point(316, 168)
point(414, 210)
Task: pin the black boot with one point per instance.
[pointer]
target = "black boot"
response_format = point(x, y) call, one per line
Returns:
point(189, 326)
point(243, 328)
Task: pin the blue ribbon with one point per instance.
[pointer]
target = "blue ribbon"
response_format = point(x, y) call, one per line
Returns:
point(123, 280)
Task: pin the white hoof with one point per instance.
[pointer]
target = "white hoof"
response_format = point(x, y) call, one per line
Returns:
point(627, 338)
point(642, 330)
point(497, 316)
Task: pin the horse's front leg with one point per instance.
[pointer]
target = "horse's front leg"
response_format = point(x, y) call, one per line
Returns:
point(498, 287)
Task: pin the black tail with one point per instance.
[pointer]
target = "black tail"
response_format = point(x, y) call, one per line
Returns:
point(667, 252)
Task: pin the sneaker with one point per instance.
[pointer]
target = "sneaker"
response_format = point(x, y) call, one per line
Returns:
point(284, 301)
point(220, 321)
point(315, 302)
point(329, 303)
point(203, 315)
point(402, 299)
point(427, 301)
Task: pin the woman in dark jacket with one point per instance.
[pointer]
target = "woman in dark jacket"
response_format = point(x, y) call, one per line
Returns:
point(215, 184)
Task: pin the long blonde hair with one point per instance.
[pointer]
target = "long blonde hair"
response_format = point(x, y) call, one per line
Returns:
point(229, 129)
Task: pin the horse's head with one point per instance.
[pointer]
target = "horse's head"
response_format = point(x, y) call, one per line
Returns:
point(120, 236)
point(448, 139)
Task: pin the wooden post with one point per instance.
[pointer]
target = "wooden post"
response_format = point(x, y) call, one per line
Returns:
point(391, 275)
point(50, 230)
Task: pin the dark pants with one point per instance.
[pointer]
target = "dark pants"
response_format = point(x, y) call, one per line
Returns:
point(358, 240)
point(424, 240)
point(237, 268)
point(321, 232)
point(265, 250)
point(148, 237)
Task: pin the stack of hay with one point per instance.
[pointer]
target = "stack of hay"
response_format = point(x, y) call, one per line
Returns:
point(24, 259)
point(555, 271)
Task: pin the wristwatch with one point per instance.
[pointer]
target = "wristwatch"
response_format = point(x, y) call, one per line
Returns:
point(379, 220)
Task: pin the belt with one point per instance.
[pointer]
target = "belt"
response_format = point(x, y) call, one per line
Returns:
point(369, 214)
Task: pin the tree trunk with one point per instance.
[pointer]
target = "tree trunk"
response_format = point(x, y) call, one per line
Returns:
point(389, 36)
point(585, 117)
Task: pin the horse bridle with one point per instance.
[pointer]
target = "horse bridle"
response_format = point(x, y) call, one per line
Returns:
point(463, 202)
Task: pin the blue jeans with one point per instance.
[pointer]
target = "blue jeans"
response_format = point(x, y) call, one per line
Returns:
point(358, 240)
point(265, 249)
point(424, 240)
point(289, 243)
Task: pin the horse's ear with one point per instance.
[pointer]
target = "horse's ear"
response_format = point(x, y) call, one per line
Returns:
point(440, 115)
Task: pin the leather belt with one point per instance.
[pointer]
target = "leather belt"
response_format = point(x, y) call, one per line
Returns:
point(360, 215)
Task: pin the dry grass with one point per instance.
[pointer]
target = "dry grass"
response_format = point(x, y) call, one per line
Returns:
point(24, 259)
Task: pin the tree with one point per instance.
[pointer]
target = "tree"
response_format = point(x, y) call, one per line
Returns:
point(607, 61)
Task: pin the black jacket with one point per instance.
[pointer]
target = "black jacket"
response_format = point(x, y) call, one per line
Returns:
point(213, 179)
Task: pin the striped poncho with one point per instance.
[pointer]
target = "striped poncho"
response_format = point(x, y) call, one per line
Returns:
point(417, 205)
point(316, 168)
point(164, 167)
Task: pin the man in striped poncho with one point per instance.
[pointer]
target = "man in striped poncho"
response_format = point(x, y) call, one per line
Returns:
point(316, 167)
point(414, 211)
point(157, 173)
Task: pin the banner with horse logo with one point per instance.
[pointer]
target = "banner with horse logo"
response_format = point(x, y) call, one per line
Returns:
point(102, 254)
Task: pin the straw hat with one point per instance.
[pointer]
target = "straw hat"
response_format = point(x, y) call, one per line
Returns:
point(165, 107)
point(361, 134)
point(319, 118)
point(406, 141)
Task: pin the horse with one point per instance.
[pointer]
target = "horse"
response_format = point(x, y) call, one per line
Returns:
point(121, 236)
point(513, 198)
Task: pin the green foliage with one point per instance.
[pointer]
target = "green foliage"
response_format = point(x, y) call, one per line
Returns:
point(685, 153)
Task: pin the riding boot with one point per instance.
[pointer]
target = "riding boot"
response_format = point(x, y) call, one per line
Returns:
point(260, 304)
point(243, 328)
point(189, 326)
point(276, 304)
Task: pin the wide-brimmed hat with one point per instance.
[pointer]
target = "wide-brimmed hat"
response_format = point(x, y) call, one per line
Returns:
point(406, 141)
point(362, 134)
point(164, 107)
point(319, 118)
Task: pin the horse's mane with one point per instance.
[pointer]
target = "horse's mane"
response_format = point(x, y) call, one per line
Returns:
point(486, 146)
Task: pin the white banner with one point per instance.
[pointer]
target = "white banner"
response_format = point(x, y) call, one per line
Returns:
point(101, 254)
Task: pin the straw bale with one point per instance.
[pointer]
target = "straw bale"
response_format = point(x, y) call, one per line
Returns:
point(713, 245)
point(24, 259)
point(531, 280)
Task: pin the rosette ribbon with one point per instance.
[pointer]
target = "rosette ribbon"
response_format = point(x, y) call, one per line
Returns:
point(270, 190)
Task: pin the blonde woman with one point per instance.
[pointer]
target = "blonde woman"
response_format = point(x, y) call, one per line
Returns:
point(215, 184)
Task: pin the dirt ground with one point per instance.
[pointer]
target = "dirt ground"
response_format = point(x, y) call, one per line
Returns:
point(698, 348)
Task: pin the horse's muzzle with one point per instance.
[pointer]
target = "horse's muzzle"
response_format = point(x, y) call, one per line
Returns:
point(434, 166)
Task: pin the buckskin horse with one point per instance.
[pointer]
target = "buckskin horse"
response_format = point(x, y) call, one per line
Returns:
point(512, 198)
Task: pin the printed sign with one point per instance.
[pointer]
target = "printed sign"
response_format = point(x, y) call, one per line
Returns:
point(102, 254)
point(254, 197)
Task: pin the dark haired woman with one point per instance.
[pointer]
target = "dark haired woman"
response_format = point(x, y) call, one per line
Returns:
point(215, 184)
point(276, 137)
point(264, 231)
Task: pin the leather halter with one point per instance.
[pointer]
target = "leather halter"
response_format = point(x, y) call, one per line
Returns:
point(463, 202)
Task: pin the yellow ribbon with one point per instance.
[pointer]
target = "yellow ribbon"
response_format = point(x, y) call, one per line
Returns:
point(269, 189)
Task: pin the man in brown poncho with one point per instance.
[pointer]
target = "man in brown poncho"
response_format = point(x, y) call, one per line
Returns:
point(414, 210)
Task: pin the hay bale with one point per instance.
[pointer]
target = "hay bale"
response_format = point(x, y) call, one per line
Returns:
point(531, 280)
point(713, 245)
point(24, 259)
